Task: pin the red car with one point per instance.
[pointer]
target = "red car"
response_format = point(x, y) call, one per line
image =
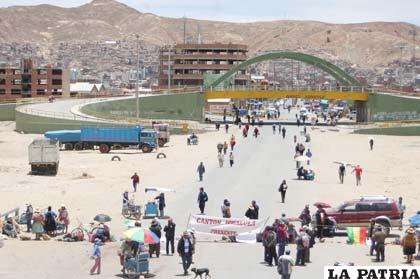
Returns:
point(359, 212)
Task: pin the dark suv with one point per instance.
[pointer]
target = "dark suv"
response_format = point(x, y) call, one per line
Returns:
point(359, 212)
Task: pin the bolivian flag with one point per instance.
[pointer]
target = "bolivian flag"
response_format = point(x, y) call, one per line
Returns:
point(357, 235)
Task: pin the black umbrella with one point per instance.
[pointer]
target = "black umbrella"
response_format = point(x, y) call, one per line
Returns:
point(102, 218)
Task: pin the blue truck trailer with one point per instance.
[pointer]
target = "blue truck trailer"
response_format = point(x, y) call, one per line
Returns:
point(106, 138)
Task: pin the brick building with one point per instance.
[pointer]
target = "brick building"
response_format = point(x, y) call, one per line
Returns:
point(28, 81)
point(189, 63)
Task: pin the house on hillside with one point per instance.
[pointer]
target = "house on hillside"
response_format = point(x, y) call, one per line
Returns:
point(86, 89)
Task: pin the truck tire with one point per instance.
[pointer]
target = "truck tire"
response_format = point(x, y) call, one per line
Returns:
point(78, 146)
point(87, 146)
point(146, 148)
point(34, 169)
point(104, 148)
point(68, 146)
point(54, 170)
point(161, 142)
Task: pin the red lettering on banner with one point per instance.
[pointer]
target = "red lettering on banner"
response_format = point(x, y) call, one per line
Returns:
point(208, 221)
point(241, 223)
point(223, 232)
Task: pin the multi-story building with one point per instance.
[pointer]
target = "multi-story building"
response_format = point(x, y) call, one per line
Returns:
point(190, 62)
point(30, 82)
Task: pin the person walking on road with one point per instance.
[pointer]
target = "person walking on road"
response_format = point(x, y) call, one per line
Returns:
point(401, 207)
point(371, 143)
point(96, 255)
point(232, 143)
point(279, 128)
point(169, 230)
point(409, 244)
point(226, 209)
point(309, 155)
point(219, 147)
point(294, 138)
point(251, 213)
point(274, 129)
point(271, 243)
point(282, 237)
point(201, 170)
point(371, 233)
point(227, 128)
point(302, 241)
point(231, 159)
point(162, 204)
point(29, 213)
point(379, 237)
point(283, 132)
point(285, 264)
point(225, 147)
point(256, 132)
point(202, 199)
point(136, 180)
point(320, 216)
point(358, 172)
point(305, 216)
point(221, 159)
point(185, 250)
point(341, 173)
point(282, 190)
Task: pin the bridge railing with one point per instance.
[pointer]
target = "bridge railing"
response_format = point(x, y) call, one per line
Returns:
point(317, 88)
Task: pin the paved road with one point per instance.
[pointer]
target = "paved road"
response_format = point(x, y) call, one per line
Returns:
point(260, 166)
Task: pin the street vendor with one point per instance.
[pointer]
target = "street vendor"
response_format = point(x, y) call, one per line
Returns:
point(125, 252)
point(162, 204)
point(9, 228)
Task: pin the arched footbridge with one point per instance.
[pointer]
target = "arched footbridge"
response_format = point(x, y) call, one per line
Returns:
point(348, 87)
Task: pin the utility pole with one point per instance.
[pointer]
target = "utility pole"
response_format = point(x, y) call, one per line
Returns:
point(169, 67)
point(137, 77)
point(185, 29)
point(401, 65)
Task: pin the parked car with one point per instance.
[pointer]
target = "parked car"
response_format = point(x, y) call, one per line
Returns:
point(359, 212)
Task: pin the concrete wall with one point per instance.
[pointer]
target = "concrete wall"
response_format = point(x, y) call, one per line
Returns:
point(34, 124)
point(182, 106)
point(7, 112)
point(384, 107)
point(393, 131)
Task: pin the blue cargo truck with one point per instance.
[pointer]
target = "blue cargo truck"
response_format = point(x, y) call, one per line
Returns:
point(106, 138)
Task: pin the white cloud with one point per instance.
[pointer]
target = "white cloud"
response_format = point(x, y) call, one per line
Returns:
point(337, 11)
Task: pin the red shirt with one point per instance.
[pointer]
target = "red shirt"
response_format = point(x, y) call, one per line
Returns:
point(135, 178)
point(358, 171)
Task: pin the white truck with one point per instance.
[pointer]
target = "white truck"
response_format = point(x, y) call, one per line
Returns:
point(44, 156)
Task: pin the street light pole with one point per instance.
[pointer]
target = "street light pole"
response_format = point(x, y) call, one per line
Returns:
point(137, 78)
point(169, 67)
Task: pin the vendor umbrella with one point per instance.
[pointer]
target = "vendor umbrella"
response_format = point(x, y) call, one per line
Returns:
point(156, 189)
point(302, 159)
point(141, 235)
point(415, 220)
point(322, 205)
point(102, 218)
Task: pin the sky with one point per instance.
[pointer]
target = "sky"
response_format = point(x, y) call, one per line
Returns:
point(333, 11)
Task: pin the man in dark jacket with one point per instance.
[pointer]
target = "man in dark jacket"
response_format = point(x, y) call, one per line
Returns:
point(251, 213)
point(162, 204)
point(157, 230)
point(185, 250)
point(169, 230)
point(257, 209)
point(271, 243)
point(379, 237)
point(201, 170)
point(202, 199)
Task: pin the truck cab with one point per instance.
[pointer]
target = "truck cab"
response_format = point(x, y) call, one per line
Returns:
point(148, 140)
point(163, 132)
